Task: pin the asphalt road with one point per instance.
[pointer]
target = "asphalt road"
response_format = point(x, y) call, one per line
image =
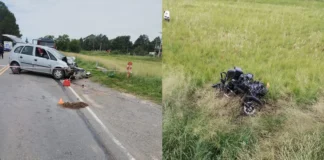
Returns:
point(33, 126)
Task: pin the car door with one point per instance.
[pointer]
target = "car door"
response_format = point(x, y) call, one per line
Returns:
point(42, 61)
point(26, 58)
point(53, 59)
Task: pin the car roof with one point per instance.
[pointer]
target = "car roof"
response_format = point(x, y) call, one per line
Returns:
point(33, 45)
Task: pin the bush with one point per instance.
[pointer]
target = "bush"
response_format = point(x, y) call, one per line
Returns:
point(140, 51)
point(75, 46)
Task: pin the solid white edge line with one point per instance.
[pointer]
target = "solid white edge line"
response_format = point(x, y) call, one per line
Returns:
point(104, 127)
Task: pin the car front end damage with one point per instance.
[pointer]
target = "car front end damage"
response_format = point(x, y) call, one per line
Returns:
point(73, 71)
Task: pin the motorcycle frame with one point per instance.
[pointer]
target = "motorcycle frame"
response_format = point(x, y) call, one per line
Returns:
point(225, 89)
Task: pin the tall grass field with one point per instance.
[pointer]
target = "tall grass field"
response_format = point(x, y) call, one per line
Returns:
point(280, 41)
point(145, 80)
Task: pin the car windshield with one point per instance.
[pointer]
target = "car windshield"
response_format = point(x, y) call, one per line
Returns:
point(56, 53)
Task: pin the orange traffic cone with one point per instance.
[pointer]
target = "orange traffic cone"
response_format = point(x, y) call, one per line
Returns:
point(60, 102)
point(66, 83)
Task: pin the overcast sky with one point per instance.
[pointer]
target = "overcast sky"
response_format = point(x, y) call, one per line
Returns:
point(80, 18)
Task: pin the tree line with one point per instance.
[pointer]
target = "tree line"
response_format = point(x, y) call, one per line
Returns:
point(8, 23)
point(118, 45)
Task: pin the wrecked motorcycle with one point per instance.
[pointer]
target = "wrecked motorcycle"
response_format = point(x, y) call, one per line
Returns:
point(235, 82)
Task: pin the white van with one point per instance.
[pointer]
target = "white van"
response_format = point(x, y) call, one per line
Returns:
point(7, 46)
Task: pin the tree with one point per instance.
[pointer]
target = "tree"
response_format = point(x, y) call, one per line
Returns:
point(95, 42)
point(139, 50)
point(103, 42)
point(75, 46)
point(81, 43)
point(89, 42)
point(155, 44)
point(62, 42)
point(49, 37)
point(121, 44)
point(8, 23)
point(142, 41)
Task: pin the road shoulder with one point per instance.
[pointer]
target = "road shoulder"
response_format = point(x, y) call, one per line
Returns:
point(136, 123)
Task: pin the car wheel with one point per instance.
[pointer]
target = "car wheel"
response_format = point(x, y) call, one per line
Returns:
point(15, 68)
point(58, 73)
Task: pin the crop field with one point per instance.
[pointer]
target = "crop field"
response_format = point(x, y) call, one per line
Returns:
point(280, 41)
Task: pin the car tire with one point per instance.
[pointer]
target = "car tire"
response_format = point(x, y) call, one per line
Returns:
point(58, 73)
point(15, 68)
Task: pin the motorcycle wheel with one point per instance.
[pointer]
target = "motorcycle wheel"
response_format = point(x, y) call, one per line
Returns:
point(249, 108)
point(250, 105)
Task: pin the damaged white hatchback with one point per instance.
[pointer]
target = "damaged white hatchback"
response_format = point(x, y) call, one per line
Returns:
point(43, 59)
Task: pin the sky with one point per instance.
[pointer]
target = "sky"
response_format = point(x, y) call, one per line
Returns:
point(80, 18)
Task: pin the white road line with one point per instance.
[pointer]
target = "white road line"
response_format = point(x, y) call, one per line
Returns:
point(130, 157)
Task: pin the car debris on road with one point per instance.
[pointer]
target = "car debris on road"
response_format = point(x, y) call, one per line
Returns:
point(74, 105)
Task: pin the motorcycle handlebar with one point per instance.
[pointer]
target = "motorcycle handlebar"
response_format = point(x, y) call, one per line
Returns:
point(221, 74)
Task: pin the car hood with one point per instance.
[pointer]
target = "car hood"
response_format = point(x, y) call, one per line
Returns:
point(15, 39)
point(69, 60)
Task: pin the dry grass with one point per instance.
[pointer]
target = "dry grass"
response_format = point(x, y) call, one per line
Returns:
point(300, 138)
point(196, 123)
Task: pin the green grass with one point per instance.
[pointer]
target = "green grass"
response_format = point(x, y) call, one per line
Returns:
point(142, 66)
point(145, 82)
point(282, 45)
point(280, 42)
point(121, 56)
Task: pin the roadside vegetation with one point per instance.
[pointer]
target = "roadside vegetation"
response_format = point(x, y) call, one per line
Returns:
point(114, 54)
point(142, 65)
point(121, 45)
point(280, 42)
point(8, 24)
point(146, 79)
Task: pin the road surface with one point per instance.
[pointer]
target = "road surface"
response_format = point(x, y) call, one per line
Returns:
point(34, 127)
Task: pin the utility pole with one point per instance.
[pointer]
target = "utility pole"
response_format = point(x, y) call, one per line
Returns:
point(93, 44)
point(159, 55)
point(155, 48)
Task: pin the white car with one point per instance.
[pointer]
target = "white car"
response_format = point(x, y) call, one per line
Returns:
point(42, 59)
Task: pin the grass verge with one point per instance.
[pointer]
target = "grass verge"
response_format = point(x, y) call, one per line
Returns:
point(142, 66)
point(142, 85)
